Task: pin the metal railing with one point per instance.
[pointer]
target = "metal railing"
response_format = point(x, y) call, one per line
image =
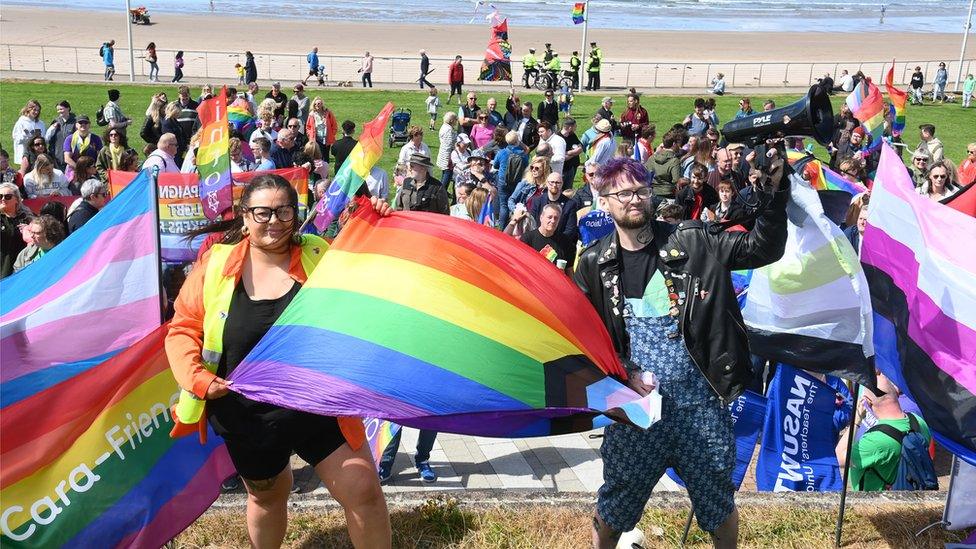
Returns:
point(219, 66)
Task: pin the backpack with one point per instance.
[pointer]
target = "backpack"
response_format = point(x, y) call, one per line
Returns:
point(101, 52)
point(915, 468)
point(514, 167)
point(100, 116)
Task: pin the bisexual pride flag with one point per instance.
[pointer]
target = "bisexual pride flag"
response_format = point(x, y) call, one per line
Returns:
point(475, 335)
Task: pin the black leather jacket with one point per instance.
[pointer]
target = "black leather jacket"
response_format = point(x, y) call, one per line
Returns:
point(711, 323)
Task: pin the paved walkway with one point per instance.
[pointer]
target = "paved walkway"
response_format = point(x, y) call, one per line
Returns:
point(565, 463)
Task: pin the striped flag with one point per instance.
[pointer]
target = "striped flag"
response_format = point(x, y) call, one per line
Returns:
point(579, 13)
point(867, 106)
point(213, 156)
point(811, 308)
point(924, 302)
point(899, 102)
point(476, 337)
point(85, 393)
point(352, 174)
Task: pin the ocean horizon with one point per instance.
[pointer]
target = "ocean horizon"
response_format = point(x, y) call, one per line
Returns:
point(666, 15)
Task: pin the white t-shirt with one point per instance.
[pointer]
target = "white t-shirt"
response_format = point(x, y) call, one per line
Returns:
point(433, 103)
point(558, 145)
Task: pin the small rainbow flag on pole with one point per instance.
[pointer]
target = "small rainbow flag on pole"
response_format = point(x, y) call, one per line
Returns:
point(822, 178)
point(352, 174)
point(898, 99)
point(213, 156)
point(477, 336)
point(579, 13)
point(868, 107)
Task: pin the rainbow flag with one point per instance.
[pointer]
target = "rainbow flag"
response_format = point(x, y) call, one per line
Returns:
point(477, 336)
point(924, 302)
point(89, 463)
point(85, 393)
point(213, 156)
point(899, 102)
point(352, 174)
point(497, 64)
point(579, 11)
point(822, 178)
point(379, 433)
point(868, 107)
point(240, 118)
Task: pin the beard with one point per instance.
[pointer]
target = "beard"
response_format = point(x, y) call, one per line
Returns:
point(632, 219)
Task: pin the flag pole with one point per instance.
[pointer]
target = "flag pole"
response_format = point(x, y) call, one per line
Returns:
point(586, 21)
point(128, 31)
point(965, 38)
point(847, 468)
point(154, 184)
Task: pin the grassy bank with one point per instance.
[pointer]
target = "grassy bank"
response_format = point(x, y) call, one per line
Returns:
point(446, 523)
point(955, 125)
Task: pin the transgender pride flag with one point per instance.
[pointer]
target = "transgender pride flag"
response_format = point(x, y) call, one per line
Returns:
point(89, 297)
point(924, 298)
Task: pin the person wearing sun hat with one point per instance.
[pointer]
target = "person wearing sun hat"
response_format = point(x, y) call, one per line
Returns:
point(421, 191)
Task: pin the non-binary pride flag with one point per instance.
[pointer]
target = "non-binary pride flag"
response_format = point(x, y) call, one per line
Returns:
point(924, 297)
point(352, 174)
point(579, 13)
point(899, 101)
point(476, 335)
point(89, 462)
point(867, 106)
point(797, 452)
point(498, 56)
point(812, 308)
point(87, 298)
point(213, 156)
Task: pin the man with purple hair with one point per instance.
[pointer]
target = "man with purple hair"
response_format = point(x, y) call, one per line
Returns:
point(665, 294)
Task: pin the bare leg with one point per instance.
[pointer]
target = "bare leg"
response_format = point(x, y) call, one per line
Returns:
point(727, 535)
point(603, 536)
point(267, 509)
point(350, 477)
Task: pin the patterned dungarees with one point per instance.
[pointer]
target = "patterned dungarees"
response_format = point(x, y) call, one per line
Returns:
point(694, 435)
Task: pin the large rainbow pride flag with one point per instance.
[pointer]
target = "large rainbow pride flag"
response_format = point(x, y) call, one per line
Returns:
point(899, 102)
point(434, 322)
point(354, 170)
point(924, 298)
point(213, 156)
point(87, 458)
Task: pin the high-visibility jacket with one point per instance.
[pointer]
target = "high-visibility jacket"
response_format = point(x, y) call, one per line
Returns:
point(529, 61)
point(195, 341)
point(554, 64)
point(596, 59)
point(574, 63)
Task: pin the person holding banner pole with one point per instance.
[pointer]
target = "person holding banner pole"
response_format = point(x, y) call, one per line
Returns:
point(665, 294)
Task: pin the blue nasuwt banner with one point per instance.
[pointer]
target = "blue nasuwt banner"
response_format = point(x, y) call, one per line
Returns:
point(797, 452)
point(747, 413)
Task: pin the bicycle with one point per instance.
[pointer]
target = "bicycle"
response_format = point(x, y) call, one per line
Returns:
point(549, 81)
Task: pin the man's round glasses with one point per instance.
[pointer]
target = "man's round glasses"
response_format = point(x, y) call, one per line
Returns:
point(642, 193)
point(262, 214)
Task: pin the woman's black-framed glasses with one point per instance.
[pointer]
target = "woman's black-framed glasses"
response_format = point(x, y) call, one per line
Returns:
point(262, 214)
point(642, 193)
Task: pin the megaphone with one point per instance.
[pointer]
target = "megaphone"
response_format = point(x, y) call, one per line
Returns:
point(811, 116)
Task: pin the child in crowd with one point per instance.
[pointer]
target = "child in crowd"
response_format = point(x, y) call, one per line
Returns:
point(240, 73)
point(566, 99)
point(433, 103)
point(722, 210)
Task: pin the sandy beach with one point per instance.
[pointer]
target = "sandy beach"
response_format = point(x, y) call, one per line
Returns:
point(645, 59)
point(227, 33)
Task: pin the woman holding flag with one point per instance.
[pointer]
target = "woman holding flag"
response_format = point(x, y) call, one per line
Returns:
point(230, 300)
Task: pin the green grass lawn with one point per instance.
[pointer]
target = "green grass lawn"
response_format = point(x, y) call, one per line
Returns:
point(955, 126)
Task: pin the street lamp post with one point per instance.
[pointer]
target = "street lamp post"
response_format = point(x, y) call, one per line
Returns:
point(128, 31)
point(965, 38)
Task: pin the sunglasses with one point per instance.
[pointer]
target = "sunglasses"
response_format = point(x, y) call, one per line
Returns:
point(535, 168)
point(936, 176)
point(38, 144)
point(6, 197)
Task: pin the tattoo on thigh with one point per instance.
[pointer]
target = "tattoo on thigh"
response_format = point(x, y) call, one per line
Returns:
point(260, 485)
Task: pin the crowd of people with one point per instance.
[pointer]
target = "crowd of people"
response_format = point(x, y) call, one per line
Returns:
point(514, 168)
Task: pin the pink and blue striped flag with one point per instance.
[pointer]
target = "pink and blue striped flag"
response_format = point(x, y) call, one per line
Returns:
point(924, 302)
point(85, 391)
point(867, 106)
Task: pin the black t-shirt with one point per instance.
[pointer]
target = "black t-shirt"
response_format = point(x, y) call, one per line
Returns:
point(538, 242)
point(574, 162)
point(247, 322)
point(636, 270)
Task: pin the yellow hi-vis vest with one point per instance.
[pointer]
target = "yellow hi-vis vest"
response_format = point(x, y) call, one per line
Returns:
point(528, 61)
point(217, 293)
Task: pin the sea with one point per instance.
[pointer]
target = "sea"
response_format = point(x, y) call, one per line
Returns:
point(700, 15)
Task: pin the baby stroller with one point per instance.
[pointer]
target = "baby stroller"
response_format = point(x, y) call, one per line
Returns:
point(400, 121)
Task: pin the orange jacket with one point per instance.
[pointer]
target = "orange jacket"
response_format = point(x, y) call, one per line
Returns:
point(184, 341)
